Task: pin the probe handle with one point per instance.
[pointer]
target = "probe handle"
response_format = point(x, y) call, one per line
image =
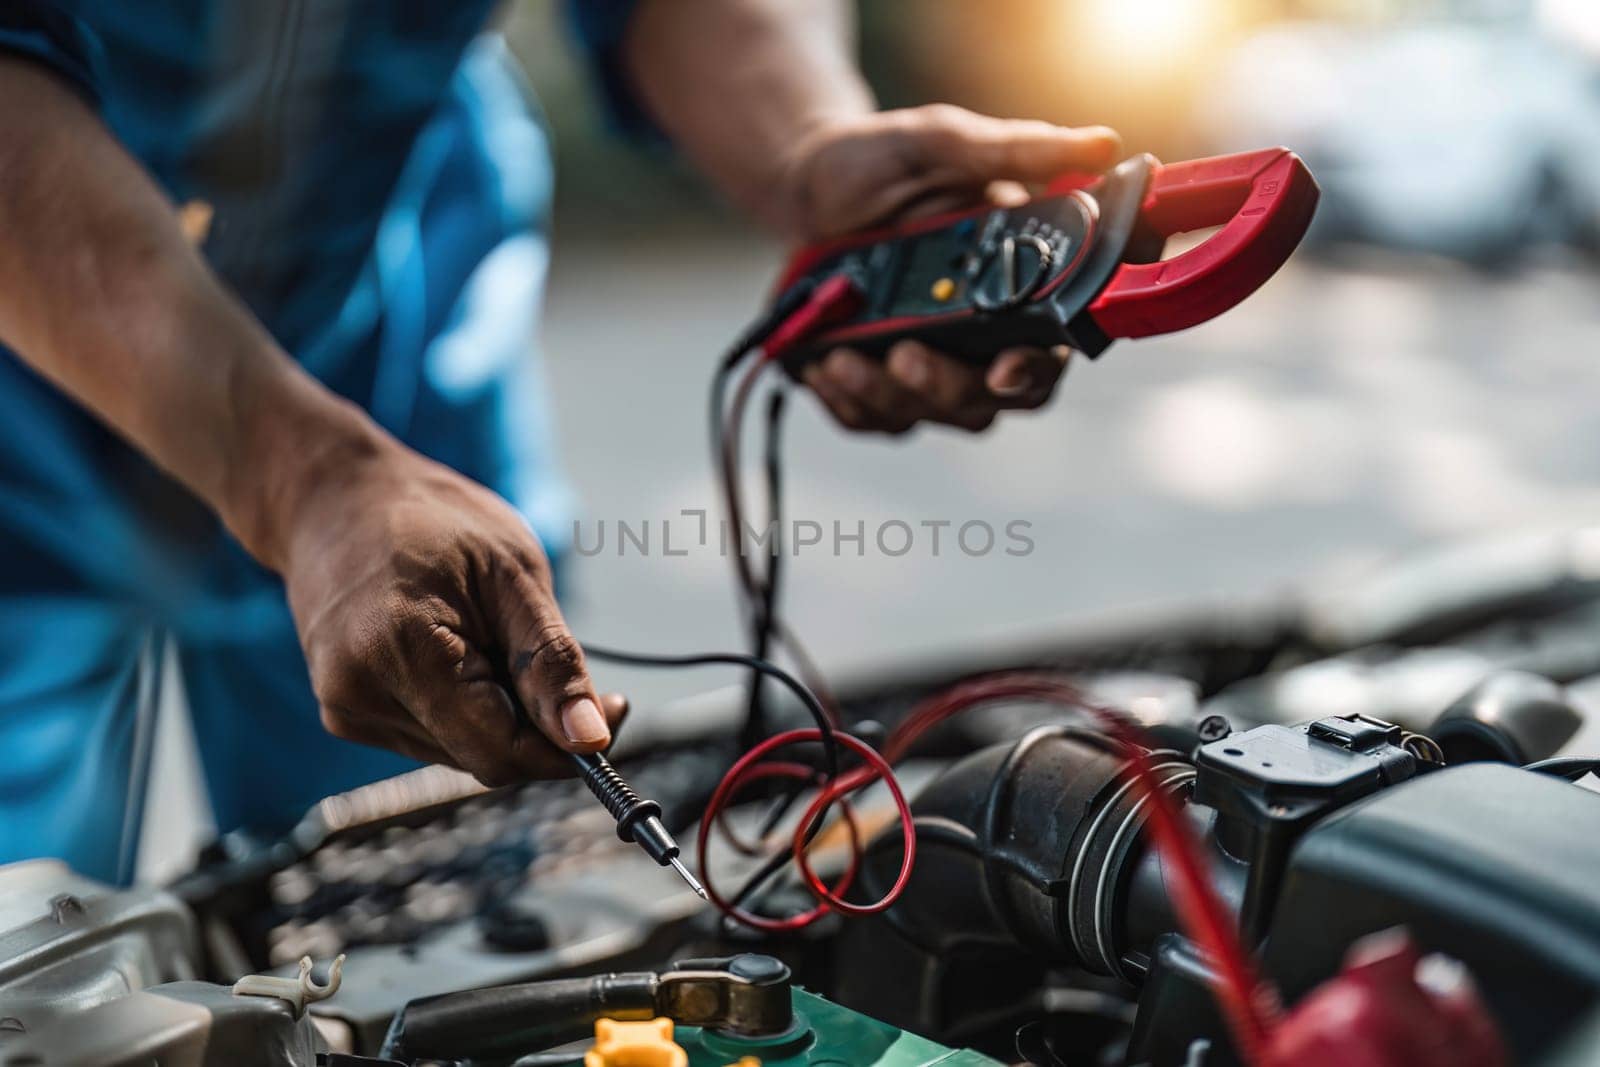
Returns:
point(615, 794)
point(1262, 200)
point(638, 819)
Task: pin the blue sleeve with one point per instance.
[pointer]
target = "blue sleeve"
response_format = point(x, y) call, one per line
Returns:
point(41, 31)
point(600, 25)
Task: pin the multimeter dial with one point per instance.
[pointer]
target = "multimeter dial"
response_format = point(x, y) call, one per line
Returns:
point(983, 262)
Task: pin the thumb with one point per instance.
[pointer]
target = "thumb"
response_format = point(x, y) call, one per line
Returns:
point(547, 667)
point(1025, 150)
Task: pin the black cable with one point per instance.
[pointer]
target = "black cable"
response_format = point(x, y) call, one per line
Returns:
point(761, 875)
point(830, 748)
point(719, 404)
point(764, 625)
point(788, 302)
point(749, 591)
point(764, 621)
point(782, 858)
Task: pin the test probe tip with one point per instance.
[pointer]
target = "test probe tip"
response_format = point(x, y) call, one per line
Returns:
point(688, 877)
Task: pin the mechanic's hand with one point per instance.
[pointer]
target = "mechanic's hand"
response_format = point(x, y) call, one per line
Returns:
point(872, 170)
point(424, 605)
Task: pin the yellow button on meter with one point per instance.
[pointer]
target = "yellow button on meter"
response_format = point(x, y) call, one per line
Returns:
point(647, 1044)
point(944, 289)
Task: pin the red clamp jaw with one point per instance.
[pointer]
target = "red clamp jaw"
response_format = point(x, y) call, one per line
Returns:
point(1080, 265)
point(1262, 200)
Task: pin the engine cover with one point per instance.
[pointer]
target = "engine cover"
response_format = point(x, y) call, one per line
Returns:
point(1490, 864)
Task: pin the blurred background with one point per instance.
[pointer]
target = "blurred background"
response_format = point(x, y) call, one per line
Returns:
point(1423, 370)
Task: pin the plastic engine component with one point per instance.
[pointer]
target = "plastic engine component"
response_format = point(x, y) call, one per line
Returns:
point(1494, 866)
point(641, 1044)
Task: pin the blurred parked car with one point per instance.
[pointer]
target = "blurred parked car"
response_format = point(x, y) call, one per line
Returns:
point(1471, 136)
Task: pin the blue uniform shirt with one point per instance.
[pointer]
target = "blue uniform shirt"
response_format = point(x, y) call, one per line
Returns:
point(379, 184)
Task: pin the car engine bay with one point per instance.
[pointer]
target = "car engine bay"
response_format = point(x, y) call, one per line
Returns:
point(1393, 772)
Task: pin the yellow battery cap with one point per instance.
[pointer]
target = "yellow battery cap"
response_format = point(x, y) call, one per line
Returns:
point(944, 289)
point(646, 1044)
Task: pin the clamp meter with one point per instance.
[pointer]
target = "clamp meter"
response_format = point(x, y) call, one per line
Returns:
point(1079, 265)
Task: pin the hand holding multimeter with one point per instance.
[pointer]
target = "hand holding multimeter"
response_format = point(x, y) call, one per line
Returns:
point(1079, 265)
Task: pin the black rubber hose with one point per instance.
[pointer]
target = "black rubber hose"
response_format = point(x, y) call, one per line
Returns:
point(1030, 845)
point(513, 1019)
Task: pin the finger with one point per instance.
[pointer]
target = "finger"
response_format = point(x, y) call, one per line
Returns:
point(845, 411)
point(1023, 150)
point(952, 390)
point(534, 752)
point(941, 383)
point(868, 384)
point(1006, 194)
point(1024, 378)
point(544, 661)
point(939, 198)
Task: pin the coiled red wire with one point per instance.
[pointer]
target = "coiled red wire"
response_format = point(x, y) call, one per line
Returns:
point(749, 768)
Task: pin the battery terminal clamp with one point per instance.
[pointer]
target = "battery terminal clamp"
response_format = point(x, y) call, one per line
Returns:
point(1079, 265)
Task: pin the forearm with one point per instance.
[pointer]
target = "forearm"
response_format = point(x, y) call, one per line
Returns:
point(101, 293)
point(738, 84)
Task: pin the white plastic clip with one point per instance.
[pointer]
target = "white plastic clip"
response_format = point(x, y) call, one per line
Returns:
point(298, 991)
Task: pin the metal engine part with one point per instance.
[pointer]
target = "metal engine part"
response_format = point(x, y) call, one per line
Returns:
point(96, 977)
